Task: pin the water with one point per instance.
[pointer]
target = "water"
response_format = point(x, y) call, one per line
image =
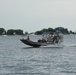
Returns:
point(17, 58)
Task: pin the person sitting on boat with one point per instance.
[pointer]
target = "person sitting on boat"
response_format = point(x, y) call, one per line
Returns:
point(39, 40)
point(27, 37)
point(43, 40)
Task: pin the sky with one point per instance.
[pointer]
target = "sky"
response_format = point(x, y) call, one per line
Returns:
point(34, 15)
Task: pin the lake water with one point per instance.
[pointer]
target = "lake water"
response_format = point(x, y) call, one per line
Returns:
point(17, 58)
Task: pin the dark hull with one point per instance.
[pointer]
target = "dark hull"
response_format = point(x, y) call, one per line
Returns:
point(30, 43)
point(36, 44)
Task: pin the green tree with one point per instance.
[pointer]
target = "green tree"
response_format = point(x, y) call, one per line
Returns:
point(71, 32)
point(26, 33)
point(38, 32)
point(63, 30)
point(51, 30)
point(19, 32)
point(2, 31)
point(10, 32)
point(44, 30)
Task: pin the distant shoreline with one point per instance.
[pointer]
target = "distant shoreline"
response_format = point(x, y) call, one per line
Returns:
point(46, 30)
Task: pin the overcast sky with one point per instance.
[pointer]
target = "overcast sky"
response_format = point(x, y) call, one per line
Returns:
point(33, 15)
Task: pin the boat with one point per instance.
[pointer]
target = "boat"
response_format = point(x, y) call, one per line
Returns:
point(30, 43)
point(45, 41)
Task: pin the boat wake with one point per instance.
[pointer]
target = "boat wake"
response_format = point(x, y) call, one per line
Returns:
point(69, 45)
point(54, 46)
point(60, 45)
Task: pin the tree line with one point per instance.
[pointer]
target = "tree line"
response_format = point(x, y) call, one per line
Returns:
point(59, 29)
point(46, 30)
point(10, 32)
